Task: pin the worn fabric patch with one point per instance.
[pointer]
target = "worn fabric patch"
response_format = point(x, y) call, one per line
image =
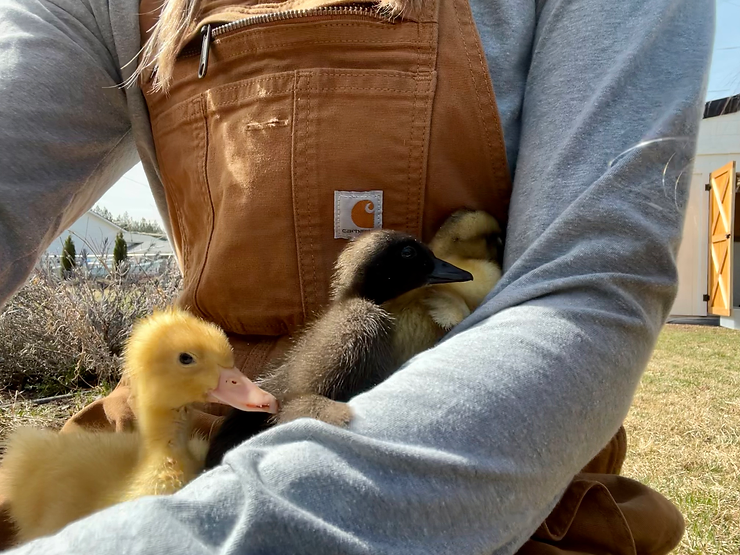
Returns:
point(357, 211)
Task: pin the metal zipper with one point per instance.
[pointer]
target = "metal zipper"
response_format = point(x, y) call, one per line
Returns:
point(210, 32)
point(205, 49)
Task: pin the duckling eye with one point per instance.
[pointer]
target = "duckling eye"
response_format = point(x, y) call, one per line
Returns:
point(186, 358)
point(408, 252)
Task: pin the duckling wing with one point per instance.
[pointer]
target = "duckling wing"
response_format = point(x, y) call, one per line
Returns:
point(348, 351)
point(345, 352)
point(51, 479)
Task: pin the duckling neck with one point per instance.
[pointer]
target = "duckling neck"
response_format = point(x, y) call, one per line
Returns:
point(163, 431)
point(368, 292)
point(165, 463)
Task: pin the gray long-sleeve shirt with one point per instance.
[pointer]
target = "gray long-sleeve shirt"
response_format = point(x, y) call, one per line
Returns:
point(469, 446)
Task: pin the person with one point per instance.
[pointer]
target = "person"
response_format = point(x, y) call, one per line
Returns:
point(470, 445)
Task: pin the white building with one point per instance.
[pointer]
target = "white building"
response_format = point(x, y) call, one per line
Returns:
point(708, 282)
point(90, 232)
point(96, 236)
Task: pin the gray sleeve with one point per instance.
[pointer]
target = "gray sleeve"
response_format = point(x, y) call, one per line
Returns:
point(65, 132)
point(467, 448)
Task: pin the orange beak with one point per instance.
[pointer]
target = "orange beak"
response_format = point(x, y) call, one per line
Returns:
point(235, 389)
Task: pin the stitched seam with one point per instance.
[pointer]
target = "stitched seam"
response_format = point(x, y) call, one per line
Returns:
point(352, 73)
point(418, 151)
point(248, 98)
point(286, 76)
point(377, 89)
point(183, 106)
point(411, 149)
point(472, 76)
point(250, 84)
point(312, 199)
point(175, 117)
point(312, 43)
point(326, 89)
point(375, 25)
point(300, 136)
point(204, 177)
point(388, 74)
point(260, 354)
point(420, 166)
point(408, 168)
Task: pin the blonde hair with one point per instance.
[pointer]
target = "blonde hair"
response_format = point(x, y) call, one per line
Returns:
point(161, 48)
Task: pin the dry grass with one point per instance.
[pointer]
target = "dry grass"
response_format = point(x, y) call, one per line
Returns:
point(16, 411)
point(684, 434)
point(60, 335)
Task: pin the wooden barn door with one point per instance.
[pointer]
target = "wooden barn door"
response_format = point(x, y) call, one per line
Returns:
point(721, 237)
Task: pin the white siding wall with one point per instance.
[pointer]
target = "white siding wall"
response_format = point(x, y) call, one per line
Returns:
point(95, 230)
point(719, 143)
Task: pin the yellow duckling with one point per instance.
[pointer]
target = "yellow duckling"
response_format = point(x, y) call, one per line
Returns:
point(470, 240)
point(172, 359)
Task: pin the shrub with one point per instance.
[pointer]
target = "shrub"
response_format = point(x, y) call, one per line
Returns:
point(59, 335)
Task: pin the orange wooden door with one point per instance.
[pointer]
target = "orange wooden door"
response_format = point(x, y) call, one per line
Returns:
point(721, 236)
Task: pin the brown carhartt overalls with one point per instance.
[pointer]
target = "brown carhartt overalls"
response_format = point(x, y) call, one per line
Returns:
point(309, 126)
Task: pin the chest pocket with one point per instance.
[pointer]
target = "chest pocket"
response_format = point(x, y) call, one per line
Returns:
point(292, 109)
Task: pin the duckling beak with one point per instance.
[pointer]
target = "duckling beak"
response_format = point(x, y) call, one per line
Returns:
point(235, 389)
point(444, 272)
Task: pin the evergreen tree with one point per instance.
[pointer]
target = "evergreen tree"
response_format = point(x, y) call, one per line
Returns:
point(120, 251)
point(128, 223)
point(69, 255)
point(103, 212)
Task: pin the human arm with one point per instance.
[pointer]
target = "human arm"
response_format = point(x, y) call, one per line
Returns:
point(65, 134)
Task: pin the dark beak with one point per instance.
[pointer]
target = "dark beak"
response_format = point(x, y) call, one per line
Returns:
point(444, 272)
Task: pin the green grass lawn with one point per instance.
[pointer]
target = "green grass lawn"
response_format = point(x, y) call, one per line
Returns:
point(684, 434)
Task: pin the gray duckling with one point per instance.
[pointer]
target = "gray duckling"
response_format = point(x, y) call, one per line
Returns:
point(350, 347)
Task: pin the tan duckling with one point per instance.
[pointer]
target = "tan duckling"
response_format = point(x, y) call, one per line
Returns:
point(350, 348)
point(172, 359)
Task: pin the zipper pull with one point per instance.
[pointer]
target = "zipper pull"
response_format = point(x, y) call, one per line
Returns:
point(205, 49)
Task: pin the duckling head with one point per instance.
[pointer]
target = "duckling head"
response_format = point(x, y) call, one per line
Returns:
point(471, 234)
point(174, 358)
point(382, 265)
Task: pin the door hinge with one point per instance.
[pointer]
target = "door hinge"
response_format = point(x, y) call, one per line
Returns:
point(705, 298)
point(707, 186)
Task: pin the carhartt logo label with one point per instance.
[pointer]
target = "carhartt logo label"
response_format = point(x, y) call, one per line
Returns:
point(357, 211)
point(363, 214)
